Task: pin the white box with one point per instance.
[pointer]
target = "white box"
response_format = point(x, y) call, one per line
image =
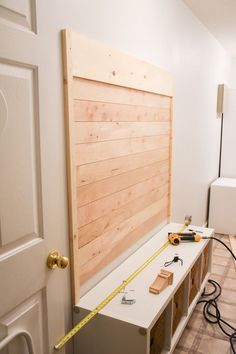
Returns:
point(222, 215)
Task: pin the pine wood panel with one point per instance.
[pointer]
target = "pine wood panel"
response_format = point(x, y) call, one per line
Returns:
point(97, 61)
point(110, 253)
point(89, 111)
point(93, 152)
point(119, 152)
point(95, 228)
point(89, 193)
point(96, 209)
point(101, 92)
point(123, 167)
point(91, 173)
point(116, 234)
point(90, 132)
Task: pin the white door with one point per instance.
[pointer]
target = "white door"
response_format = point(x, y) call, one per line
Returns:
point(31, 224)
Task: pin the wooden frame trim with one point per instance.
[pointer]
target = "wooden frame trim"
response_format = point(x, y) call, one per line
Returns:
point(171, 160)
point(71, 173)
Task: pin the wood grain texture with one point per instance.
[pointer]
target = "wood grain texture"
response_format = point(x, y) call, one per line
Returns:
point(97, 61)
point(92, 132)
point(71, 168)
point(90, 111)
point(96, 209)
point(89, 193)
point(119, 152)
point(123, 166)
point(91, 173)
point(110, 253)
point(178, 307)
point(95, 228)
point(96, 91)
point(232, 239)
point(115, 235)
point(93, 152)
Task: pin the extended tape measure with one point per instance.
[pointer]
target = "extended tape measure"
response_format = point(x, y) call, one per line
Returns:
point(115, 292)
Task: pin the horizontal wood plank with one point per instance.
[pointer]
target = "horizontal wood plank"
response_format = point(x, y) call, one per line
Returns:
point(110, 253)
point(98, 61)
point(90, 132)
point(97, 227)
point(89, 193)
point(117, 234)
point(96, 209)
point(89, 111)
point(90, 173)
point(101, 92)
point(93, 152)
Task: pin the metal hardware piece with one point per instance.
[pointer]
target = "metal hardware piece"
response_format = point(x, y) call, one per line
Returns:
point(56, 260)
point(127, 301)
point(198, 231)
point(76, 309)
point(128, 297)
point(143, 331)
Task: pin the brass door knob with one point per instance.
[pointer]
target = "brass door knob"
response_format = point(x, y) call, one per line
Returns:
point(56, 260)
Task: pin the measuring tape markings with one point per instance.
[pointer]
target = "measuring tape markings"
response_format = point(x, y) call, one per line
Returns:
point(111, 296)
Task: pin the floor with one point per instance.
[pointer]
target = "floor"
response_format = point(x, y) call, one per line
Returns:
point(200, 337)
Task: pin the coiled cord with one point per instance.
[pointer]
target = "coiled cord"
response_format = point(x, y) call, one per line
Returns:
point(211, 310)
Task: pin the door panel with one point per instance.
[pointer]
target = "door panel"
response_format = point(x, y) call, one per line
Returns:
point(30, 311)
point(32, 220)
point(21, 215)
point(20, 13)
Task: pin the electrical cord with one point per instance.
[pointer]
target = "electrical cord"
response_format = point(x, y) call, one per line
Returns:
point(217, 239)
point(231, 339)
point(211, 310)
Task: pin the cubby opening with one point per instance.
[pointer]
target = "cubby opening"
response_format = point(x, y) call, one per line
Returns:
point(178, 307)
point(160, 333)
point(195, 279)
point(157, 335)
point(205, 261)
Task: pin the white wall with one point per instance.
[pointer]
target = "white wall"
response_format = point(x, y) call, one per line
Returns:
point(165, 33)
point(228, 165)
point(232, 76)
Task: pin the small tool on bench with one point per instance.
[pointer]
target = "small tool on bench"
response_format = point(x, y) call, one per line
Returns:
point(128, 297)
point(198, 231)
point(175, 238)
point(174, 260)
point(163, 279)
point(187, 220)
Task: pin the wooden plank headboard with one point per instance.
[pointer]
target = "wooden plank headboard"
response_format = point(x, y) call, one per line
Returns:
point(118, 121)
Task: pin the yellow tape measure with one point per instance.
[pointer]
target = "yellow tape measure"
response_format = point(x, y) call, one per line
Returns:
point(113, 294)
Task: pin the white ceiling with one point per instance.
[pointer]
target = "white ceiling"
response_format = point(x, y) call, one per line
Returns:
point(219, 16)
